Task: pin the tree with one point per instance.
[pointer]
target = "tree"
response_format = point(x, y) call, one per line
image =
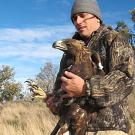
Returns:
point(121, 25)
point(9, 89)
point(124, 29)
point(132, 12)
point(46, 78)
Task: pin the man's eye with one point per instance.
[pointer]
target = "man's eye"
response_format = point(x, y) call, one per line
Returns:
point(82, 16)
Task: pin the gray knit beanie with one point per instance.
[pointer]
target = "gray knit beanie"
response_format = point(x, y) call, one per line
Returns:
point(88, 6)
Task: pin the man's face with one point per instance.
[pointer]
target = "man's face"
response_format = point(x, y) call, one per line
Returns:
point(85, 23)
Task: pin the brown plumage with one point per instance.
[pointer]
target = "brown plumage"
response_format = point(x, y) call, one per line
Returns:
point(84, 63)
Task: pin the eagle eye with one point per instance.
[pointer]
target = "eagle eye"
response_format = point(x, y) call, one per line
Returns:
point(68, 44)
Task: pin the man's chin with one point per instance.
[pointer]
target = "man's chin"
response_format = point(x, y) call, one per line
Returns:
point(82, 34)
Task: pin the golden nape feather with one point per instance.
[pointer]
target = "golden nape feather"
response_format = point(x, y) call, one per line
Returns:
point(37, 92)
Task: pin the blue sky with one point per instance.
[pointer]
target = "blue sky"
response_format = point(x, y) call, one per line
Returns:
point(29, 27)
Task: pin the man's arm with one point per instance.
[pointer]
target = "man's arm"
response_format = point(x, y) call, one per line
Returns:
point(118, 83)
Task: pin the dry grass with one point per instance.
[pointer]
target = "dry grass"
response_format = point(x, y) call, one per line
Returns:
point(26, 118)
point(34, 118)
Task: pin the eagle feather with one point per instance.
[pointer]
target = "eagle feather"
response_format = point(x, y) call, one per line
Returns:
point(84, 63)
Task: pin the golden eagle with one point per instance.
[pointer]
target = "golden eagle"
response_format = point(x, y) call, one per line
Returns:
point(84, 63)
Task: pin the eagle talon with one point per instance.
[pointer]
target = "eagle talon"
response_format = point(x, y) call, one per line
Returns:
point(37, 92)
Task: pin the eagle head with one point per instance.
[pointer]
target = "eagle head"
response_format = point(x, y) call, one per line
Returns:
point(71, 46)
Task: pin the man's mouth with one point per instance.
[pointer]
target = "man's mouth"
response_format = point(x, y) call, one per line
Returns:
point(81, 28)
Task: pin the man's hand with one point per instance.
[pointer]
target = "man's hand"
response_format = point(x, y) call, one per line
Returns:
point(73, 85)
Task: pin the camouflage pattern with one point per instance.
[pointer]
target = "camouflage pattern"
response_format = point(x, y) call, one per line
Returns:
point(108, 132)
point(112, 132)
point(107, 94)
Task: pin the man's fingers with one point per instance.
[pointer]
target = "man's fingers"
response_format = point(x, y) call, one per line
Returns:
point(64, 79)
point(69, 75)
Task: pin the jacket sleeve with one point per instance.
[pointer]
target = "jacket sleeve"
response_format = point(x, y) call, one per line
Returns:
point(118, 83)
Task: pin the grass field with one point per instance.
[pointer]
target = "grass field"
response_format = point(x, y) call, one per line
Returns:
point(34, 118)
point(26, 118)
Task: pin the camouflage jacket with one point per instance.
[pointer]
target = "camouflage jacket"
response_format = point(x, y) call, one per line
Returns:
point(107, 94)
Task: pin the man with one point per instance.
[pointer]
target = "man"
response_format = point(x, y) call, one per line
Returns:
point(106, 95)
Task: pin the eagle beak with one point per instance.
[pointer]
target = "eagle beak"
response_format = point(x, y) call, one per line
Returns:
point(60, 45)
